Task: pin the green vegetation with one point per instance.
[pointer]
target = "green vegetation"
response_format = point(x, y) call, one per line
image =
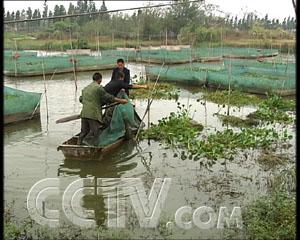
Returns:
point(275, 102)
point(189, 23)
point(273, 110)
point(237, 122)
point(177, 131)
point(30, 230)
point(271, 217)
point(235, 98)
point(227, 143)
point(271, 116)
point(177, 128)
point(161, 91)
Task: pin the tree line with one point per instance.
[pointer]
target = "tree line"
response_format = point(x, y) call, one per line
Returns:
point(178, 21)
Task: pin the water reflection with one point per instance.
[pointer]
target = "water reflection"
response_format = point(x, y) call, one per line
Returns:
point(113, 166)
point(18, 131)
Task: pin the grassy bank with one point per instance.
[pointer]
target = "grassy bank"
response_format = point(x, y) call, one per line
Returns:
point(35, 42)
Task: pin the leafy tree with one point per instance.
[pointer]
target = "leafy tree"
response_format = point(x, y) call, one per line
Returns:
point(45, 10)
point(62, 10)
point(29, 13)
point(236, 22)
point(103, 7)
point(56, 10)
point(71, 9)
point(8, 18)
point(179, 16)
point(91, 6)
point(12, 16)
point(18, 15)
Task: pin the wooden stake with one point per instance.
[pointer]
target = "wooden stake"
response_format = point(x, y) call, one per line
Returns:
point(74, 63)
point(229, 87)
point(166, 36)
point(15, 59)
point(45, 91)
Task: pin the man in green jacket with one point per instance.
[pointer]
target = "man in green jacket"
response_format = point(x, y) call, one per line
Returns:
point(93, 98)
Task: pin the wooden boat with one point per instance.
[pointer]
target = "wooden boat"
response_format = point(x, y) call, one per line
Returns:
point(20, 105)
point(71, 150)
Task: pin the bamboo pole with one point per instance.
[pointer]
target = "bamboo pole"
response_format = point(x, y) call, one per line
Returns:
point(166, 36)
point(45, 91)
point(98, 44)
point(229, 87)
point(287, 59)
point(15, 58)
point(73, 62)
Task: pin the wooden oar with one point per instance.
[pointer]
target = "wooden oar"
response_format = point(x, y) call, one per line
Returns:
point(77, 116)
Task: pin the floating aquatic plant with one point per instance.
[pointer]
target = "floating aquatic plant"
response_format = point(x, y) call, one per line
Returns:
point(178, 130)
point(161, 91)
point(236, 121)
point(236, 98)
point(273, 109)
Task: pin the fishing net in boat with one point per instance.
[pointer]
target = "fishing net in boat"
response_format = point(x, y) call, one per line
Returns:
point(124, 120)
point(17, 101)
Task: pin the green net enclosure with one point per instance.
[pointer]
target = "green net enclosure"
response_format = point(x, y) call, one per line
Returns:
point(17, 101)
point(173, 74)
point(29, 64)
point(186, 55)
point(248, 76)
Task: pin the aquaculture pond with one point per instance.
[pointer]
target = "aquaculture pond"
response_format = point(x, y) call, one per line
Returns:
point(213, 163)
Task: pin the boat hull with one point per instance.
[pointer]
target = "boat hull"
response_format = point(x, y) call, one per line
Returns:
point(71, 150)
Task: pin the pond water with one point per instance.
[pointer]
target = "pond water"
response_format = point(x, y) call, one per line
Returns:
point(31, 155)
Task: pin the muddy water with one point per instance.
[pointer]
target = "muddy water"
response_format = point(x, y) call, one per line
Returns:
point(31, 155)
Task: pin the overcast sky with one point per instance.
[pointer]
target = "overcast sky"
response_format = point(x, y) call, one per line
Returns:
point(275, 8)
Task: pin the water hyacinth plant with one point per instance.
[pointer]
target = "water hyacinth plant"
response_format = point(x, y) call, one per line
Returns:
point(178, 130)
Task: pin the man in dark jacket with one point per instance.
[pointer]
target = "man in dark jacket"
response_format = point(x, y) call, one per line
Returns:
point(114, 87)
point(121, 68)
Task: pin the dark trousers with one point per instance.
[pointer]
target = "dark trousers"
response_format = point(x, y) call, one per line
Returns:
point(90, 129)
